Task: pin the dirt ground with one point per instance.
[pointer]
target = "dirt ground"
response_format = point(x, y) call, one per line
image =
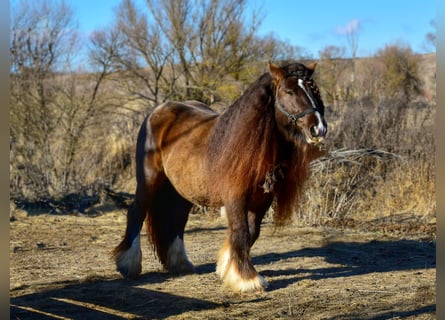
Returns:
point(60, 268)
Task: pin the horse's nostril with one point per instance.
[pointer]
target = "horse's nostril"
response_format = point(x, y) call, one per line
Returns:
point(314, 131)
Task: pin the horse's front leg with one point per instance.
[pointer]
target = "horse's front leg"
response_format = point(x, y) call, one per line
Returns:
point(234, 264)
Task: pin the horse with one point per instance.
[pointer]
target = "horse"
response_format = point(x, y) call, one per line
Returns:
point(256, 153)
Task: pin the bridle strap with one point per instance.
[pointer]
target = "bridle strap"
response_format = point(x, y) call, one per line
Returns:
point(294, 117)
point(291, 116)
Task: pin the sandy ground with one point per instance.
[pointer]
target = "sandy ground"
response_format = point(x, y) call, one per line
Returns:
point(60, 268)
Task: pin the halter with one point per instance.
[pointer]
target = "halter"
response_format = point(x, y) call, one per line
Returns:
point(294, 117)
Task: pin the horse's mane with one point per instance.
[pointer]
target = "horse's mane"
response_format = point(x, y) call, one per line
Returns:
point(242, 146)
point(296, 170)
point(245, 147)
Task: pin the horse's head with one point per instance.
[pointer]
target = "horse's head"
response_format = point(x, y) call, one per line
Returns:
point(298, 106)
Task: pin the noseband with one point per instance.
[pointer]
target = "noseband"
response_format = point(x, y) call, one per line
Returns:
point(292, 116)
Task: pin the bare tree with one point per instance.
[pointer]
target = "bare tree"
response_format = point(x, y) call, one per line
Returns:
point(54, 109)
point(352, 35)
point(146, 54)
point(351, 31)
point(138, 51)
point(182, 49)
point(174, 22)
point(431, 36)
point(226, 41)
point(332, 66)
point(41, 41)
point(400, 72)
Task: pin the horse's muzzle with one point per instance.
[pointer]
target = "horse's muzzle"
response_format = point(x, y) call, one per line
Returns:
point(319, 131)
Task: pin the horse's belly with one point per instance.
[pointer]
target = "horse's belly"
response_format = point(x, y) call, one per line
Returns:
point(186, 168)
point(193, 187)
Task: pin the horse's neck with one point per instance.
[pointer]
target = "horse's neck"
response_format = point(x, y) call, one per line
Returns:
point(256, 97)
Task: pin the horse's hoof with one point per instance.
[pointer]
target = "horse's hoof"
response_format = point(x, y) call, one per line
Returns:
point(186, 267)
point(129, 273)
point(257, 284)
point(129, 263)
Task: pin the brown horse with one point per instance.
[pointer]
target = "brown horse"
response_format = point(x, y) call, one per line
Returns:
point(259, 149)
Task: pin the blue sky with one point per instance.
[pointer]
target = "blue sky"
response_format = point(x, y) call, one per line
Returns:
point(313, 25)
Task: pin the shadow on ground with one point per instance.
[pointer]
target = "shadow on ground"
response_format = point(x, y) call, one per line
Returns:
point(354, 258)
point(105, 299)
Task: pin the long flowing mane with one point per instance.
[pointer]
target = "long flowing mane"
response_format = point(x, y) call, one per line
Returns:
point(246, 147)
point(243, 147)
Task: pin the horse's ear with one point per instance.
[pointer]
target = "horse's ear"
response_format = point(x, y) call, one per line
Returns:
point(312, 67)
point(276, 72)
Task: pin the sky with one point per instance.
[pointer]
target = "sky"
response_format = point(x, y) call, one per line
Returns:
point(313, 25)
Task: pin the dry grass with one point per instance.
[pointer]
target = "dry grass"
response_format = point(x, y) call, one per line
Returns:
point(367, 184)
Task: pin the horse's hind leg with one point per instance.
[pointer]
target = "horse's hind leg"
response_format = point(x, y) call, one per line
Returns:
point(166, 222)
point(127, 254)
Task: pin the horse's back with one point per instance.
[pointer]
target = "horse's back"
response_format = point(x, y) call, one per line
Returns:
point(178, 135)
point(200, 105)
point(191, 108)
